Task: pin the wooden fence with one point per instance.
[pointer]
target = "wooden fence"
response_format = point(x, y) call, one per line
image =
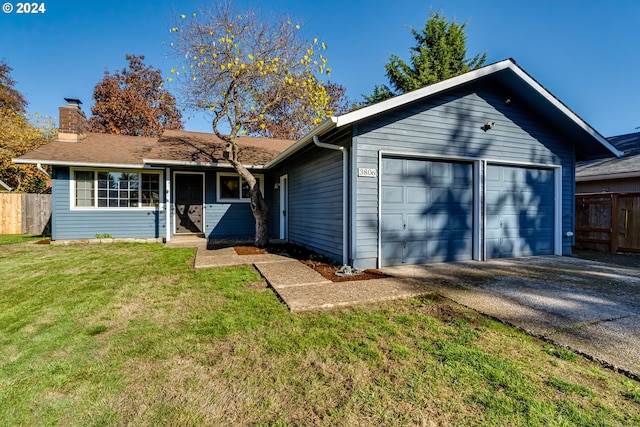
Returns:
point(25, 213)
point(608, 222)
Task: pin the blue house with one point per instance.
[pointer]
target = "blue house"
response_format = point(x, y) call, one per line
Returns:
point(479, 166)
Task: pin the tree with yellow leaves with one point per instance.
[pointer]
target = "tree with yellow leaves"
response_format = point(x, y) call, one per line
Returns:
point(242, 69)
point(18, 135)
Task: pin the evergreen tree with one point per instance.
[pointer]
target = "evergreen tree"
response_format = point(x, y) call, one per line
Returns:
point(440, 53)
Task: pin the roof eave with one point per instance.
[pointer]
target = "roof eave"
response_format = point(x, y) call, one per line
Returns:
point(78, 164)
point(161, 162)
point(608, 176)
point(323, 127)
point(435, 88)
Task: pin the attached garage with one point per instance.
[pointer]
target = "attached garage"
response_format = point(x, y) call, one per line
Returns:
point(475, 167)
point(519, 211)
point(426, 211)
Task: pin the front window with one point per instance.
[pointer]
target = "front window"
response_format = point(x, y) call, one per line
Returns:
point(116, 189)
point(232, 188)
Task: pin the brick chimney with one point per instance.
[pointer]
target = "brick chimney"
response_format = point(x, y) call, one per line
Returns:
point(73, 122)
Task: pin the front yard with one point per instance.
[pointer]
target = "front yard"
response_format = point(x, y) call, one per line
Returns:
point(131, 334)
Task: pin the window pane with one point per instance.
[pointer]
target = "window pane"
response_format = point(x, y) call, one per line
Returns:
point(122, 189)
point(229, 187)
point(84, 188)
point(245, 188)
point(150, 187)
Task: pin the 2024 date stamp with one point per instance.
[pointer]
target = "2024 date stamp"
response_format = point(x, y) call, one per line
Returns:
point(24, 8)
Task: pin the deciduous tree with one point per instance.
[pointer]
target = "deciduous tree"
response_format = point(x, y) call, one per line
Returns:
point(289, 118)
point(10, 98)
point(250, 73)
point(133, 102)
point(18, 135)
point(440, 53)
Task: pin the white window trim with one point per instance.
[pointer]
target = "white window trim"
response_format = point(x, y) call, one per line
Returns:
point(241, 199)
point(72, 190)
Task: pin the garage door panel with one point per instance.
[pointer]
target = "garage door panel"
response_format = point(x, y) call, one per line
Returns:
point(392, 167)
point(519, 211)
point(392, 223)
point(417, 195)
point(393, 194)
point(437, 212)
point(418, 223)
point(393, 252)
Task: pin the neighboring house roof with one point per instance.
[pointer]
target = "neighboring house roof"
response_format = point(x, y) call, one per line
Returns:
point(506, 73)
point(626, 166)
point(4, 187)
point(173, 147)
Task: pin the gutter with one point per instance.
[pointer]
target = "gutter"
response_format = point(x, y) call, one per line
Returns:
point(328, 124)
point(189, 163)
point(345, 188)
point(78, 164)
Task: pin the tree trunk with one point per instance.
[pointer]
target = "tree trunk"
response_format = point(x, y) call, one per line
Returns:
point(260, 212)
point(259, 207)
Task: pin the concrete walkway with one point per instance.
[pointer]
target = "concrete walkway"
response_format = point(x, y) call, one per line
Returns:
point(302, 288)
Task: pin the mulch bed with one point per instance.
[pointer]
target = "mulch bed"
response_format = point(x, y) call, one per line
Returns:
point(319, 263)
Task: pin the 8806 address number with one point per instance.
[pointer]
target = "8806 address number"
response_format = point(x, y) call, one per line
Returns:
point(30, 8)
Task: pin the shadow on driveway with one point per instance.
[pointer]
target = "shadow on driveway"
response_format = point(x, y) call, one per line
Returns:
point(588, 306)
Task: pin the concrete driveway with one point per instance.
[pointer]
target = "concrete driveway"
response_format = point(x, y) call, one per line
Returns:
point(590, 307)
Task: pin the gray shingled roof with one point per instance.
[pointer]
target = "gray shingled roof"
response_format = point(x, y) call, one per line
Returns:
point(625, 166)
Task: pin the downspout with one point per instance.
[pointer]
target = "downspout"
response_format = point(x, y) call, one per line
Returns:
point(41, 169)
point(345, 212)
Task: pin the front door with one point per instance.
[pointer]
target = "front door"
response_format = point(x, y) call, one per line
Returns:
point(189, 202)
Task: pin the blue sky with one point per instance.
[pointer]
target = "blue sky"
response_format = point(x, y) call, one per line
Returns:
point(585, 52)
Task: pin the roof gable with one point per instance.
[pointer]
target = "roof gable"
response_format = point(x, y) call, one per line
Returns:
point(591, 143)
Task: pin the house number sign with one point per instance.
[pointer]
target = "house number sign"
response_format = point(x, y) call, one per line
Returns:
point(368, 172)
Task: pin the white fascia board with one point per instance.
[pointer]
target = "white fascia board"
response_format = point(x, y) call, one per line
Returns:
point(415, 95)
point(564, 109)
point(323, 127)
point(202, 164)
point(78, 164)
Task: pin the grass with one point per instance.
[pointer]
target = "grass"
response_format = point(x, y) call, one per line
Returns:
point(10, 239)
point(131, 334)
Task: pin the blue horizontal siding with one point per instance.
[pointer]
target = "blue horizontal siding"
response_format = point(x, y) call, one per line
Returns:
point(70, 223)
point(235, 220)
point(449, 125)
point(315, 202)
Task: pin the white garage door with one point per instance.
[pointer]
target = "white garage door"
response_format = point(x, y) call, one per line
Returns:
point(519, 211)
point(426, 211)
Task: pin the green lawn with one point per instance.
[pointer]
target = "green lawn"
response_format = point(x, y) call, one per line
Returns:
point(10, 239)
point(130, 334)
